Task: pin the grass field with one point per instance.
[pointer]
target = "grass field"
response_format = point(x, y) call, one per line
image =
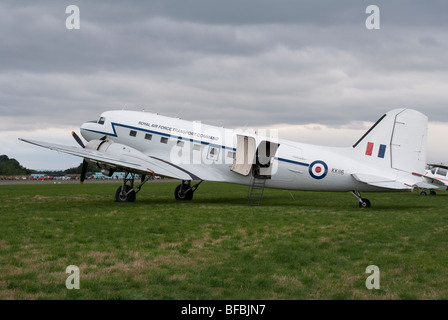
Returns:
point(296, 245)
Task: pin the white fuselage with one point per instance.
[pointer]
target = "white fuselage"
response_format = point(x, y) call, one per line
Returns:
point(208, 152)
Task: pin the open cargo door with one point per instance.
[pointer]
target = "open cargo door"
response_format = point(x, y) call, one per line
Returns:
point(244, 156)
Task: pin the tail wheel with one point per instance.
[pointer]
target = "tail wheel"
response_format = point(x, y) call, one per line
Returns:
point(126, 195)
point(364, 203)
point(185, 193)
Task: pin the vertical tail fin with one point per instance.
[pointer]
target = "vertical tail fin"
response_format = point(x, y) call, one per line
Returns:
point(397, 140)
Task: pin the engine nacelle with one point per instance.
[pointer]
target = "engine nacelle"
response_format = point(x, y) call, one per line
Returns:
point(99, 145)
point(108, 172)
point(117, 151)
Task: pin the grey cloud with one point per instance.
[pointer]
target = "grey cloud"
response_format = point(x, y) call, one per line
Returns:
point(230, 63)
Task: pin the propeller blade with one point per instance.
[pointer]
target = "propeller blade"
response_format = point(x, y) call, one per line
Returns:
point(104, 138)
point(83, 171)
point(78, 139)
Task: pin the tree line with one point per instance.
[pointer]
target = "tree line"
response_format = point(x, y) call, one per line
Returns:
point(11, 167)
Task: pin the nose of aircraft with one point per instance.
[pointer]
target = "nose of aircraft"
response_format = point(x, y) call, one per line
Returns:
point(83, 130)
point(87, 130)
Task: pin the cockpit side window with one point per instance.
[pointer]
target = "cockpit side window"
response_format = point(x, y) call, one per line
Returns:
point(442, 171)
point(101, 120)
point(433, 170)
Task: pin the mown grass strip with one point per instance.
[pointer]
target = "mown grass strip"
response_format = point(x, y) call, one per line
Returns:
point(296, 245)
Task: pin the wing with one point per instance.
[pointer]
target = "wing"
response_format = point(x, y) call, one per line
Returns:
point(122, 157)
point(432, 183)
point(437, 165)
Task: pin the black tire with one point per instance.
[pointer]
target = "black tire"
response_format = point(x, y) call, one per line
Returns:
point(130, 197)
point(365, 203)
point(188, 195)
point(432, 193)
point(423, 193)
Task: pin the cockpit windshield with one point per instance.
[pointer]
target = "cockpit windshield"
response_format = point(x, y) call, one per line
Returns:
point(101, 120)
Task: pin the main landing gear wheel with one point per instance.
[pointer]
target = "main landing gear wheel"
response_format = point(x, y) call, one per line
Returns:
point(125, 194)
point(185, 191)
point(431, 192)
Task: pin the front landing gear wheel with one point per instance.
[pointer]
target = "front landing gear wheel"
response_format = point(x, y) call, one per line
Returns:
point(364, 203)
point(126, 195)
point(183, 192)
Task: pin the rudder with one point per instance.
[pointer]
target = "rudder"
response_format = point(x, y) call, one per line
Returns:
point(408, 143)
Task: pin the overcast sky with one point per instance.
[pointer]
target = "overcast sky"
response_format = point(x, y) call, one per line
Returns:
point(309, 68)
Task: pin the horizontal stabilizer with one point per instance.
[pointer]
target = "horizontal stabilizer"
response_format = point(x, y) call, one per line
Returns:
point(381, 182)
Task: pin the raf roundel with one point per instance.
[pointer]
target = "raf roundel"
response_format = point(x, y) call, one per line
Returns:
point(318, 169)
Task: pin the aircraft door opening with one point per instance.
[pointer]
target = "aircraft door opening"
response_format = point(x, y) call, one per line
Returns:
point(263, 159)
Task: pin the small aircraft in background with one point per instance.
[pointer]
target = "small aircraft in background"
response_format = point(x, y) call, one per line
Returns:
point(436, 178)
point(390, 156)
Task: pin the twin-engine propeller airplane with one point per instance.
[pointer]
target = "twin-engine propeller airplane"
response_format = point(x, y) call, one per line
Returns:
point(390, 156)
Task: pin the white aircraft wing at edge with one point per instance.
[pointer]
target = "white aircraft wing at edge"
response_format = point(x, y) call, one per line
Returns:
point(143, 164)
point(430, 183)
